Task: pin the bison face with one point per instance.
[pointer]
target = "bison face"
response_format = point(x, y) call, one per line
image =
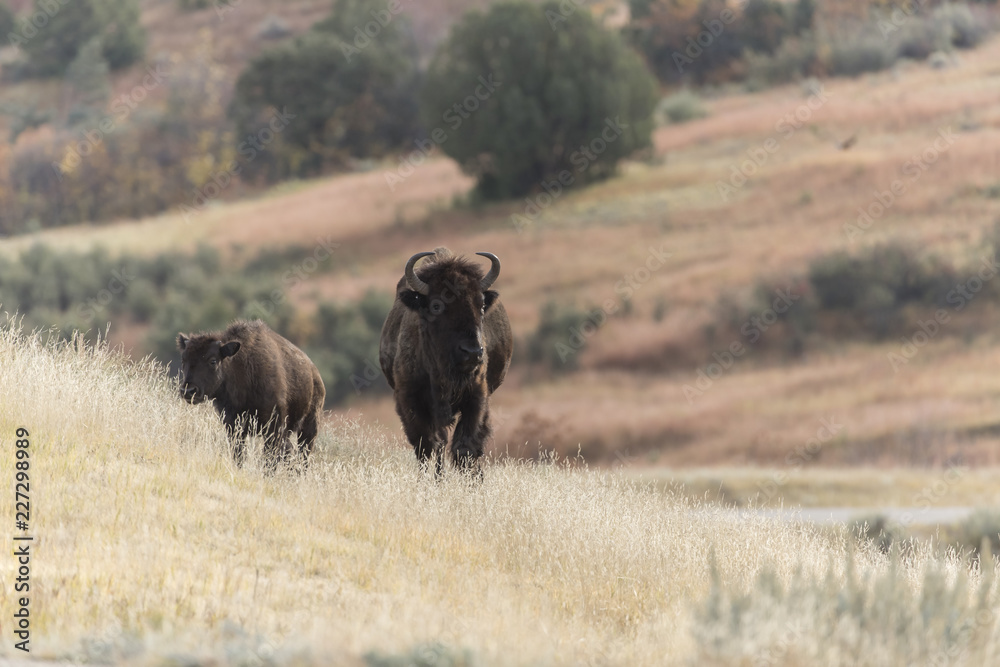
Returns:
point(452, 299)
point(202, 365)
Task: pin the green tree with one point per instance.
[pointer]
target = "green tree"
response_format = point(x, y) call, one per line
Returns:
point(351, 84)
point(8, 20)
point(74, 24)
point(525, 94)
point(87, 75)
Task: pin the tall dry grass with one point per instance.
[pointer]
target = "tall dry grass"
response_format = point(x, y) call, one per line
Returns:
point(152, 546)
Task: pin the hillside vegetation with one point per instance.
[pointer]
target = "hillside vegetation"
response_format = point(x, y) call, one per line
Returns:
point(152, 547)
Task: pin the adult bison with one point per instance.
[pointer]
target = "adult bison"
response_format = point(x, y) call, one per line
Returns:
point(250, 372)
point(445, 347)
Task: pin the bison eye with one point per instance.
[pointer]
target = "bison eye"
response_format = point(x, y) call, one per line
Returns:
point(213, 363)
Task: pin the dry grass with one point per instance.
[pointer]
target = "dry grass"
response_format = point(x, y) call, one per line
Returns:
point(150, 543)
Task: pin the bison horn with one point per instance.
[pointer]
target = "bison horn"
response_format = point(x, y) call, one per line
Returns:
point(416, 284)
point(494, 271)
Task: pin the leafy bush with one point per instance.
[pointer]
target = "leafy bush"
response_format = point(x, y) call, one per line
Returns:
point(861, 50)
point(352, 95)
point(8, 20)
point(877, 283)
point(681, 107)
point(561, 335)
point(707, 41)
point(964, 29)
point(177, 292)
point(114, 22)
point(558, 88)
point(796, 58)
point(346, 344)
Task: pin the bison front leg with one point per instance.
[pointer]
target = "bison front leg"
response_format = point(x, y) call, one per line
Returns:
point(471, 434)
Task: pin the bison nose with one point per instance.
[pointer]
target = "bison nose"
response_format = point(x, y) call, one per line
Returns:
point(188, 392)
point(472, 351)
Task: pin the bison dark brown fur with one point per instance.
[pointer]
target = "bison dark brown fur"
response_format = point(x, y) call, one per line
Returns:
point(249, 371)
point(445, 348)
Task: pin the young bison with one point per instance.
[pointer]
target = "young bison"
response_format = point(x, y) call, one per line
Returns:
point(249, 371)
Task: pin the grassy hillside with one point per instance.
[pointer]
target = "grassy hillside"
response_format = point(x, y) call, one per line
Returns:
point(150, 546)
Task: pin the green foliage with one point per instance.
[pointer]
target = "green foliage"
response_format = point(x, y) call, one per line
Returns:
point(965, 30)
point(559, 83)
point(177, 292)
point(8, 20)
point(87, 75)
point(561, 335)
point(709, 43)
point(681, 107)
point(352, 95)
point(878, 282)
point(345, 347)
point(74, 24)
point(858, 51)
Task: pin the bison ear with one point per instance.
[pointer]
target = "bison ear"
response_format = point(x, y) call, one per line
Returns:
point(412, 300)
point(489, 298)
point(229, 349)
point(182, 342)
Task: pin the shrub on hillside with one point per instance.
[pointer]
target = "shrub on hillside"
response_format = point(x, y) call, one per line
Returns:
point(520, 101)
point(8, 20)
point(796, 58)
point(58, 42)
point(345, 347)
point(680, 107)
point(707, 40)
point(855, 52)
point(964, 29)
point(561, 335)
point(352, 95)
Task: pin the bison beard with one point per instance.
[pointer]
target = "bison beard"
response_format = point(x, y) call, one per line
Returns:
point(445, 347)
point(253, 374)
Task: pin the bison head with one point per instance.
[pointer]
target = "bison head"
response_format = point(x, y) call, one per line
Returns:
point(202, 364)
point(452, 297)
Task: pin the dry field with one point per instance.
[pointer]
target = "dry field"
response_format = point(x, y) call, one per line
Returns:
point(151, 548)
